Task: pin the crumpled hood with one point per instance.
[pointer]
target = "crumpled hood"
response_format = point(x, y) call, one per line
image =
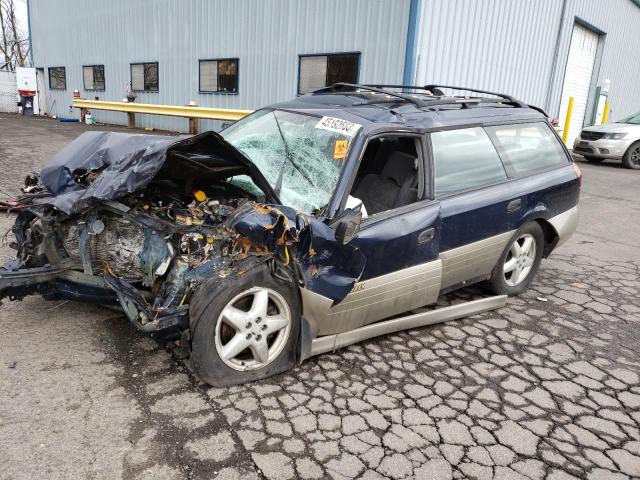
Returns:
point(123, 163)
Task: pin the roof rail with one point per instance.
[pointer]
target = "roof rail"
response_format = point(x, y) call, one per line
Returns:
point(509, 98)
point(434, 90)
point(406, 98)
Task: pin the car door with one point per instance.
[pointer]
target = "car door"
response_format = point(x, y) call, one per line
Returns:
point(402, 269)
point(477, 203)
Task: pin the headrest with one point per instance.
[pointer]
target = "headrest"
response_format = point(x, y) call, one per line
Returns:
point(399, 166)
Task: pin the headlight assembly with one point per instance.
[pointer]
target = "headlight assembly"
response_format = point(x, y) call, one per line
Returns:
point(614, 136)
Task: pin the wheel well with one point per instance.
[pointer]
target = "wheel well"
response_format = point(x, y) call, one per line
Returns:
point(630, 147)
point(550, 236)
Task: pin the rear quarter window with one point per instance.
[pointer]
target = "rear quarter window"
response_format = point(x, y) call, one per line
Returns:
point(464, 159)
point(527, 147)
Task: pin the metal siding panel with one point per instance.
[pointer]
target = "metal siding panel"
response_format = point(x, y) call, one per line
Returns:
point(266, 35)
point(620, 20)
point(509, 46)
point(501, 45)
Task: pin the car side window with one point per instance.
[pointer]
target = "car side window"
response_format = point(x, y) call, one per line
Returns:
point(464, 159)
point(527, 147)
point(390, 175)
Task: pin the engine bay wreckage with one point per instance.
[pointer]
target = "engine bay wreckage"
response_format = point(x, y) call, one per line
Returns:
point(143, 220)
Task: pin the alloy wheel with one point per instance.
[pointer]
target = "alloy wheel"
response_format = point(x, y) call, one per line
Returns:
point(253, 329)
point(519, 260)
point(635, 156)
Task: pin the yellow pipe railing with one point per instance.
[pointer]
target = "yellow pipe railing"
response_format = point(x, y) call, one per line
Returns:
point(191, 112)
point(567, 121)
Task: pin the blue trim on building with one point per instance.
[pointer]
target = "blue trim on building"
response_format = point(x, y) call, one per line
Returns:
point(29, 31)
point(412, 40)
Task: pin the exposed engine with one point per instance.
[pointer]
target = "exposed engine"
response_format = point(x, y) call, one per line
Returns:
point(146, 224)
point(118, 244)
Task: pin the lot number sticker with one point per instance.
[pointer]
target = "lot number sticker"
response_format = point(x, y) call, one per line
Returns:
point(338, 125)
point(340, 149)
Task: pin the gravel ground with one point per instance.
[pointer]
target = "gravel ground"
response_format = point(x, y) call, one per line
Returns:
point(546, 387)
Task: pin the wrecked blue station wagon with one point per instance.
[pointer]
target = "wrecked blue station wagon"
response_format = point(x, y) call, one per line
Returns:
point(304, 227)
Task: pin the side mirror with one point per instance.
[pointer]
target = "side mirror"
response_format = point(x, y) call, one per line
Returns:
point(348, 226)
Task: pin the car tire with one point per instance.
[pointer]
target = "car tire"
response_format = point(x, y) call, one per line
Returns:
point(631, 158)
point(518, 263)
point(594, 159)
point(234, 306)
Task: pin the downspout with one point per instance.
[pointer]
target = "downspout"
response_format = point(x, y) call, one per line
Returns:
point(29, 31)
point(556, 54)
point(412, 38)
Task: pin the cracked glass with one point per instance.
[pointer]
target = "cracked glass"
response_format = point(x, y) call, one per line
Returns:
point(302, 163)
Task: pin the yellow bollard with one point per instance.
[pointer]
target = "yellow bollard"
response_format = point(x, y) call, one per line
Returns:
point(605, 114)
point(567, 121)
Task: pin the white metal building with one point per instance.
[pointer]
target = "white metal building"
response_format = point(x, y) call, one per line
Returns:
point(250, 53)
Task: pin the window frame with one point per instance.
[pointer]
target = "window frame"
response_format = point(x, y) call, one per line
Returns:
point(333, 54)
point(104, 80)
point(65, 78)
point(511, 172)
point(468, 189)
point(423, 165)
point(220, 92)
point(157, 64)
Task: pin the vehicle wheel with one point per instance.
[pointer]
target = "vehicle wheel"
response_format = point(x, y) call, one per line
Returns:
point(244, 328)
point(519, 262)
point(631, 158)
point(594, 159)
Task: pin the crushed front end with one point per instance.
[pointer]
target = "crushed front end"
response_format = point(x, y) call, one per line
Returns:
point(143, 241)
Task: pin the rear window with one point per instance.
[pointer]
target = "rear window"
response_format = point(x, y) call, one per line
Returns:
point(527, 147)
point(464, 159)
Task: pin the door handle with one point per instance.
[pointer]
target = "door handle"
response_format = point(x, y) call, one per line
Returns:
point(426, 235)
point(514, 205)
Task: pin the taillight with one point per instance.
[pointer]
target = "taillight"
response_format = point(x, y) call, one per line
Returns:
point(576, 169)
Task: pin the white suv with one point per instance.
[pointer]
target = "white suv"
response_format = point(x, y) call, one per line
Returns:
point(617, 141)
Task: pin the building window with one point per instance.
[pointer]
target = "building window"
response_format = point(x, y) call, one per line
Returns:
point(318, 71)
point(144, 77)
point(219, 76)
point(57, 78)
point(93, 77)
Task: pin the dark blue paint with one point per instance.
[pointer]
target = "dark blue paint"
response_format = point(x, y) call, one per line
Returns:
point(472, 216)
point(391, 244)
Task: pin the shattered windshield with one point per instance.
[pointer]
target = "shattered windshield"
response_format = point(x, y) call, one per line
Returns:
point(633, 119)
point(300, 159)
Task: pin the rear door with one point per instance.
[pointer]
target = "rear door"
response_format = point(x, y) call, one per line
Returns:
point(476, 203)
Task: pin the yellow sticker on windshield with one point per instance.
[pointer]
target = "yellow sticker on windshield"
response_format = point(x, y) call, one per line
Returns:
point(340, 149)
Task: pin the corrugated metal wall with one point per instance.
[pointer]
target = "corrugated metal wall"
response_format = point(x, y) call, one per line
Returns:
point(620, 20)
point(512, 45)
point(266, 35)
point(500, 45)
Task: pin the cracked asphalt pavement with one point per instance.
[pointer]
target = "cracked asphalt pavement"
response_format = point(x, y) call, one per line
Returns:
point(547, 387)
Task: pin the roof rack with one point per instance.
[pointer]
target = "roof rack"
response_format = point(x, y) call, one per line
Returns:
point(336, 88)
point(434, 90)
point(475, 90)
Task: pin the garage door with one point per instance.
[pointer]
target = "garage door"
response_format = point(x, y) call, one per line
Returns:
point(577, 78)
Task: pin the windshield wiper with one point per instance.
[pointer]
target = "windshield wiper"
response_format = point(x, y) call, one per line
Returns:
point(288, 157)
